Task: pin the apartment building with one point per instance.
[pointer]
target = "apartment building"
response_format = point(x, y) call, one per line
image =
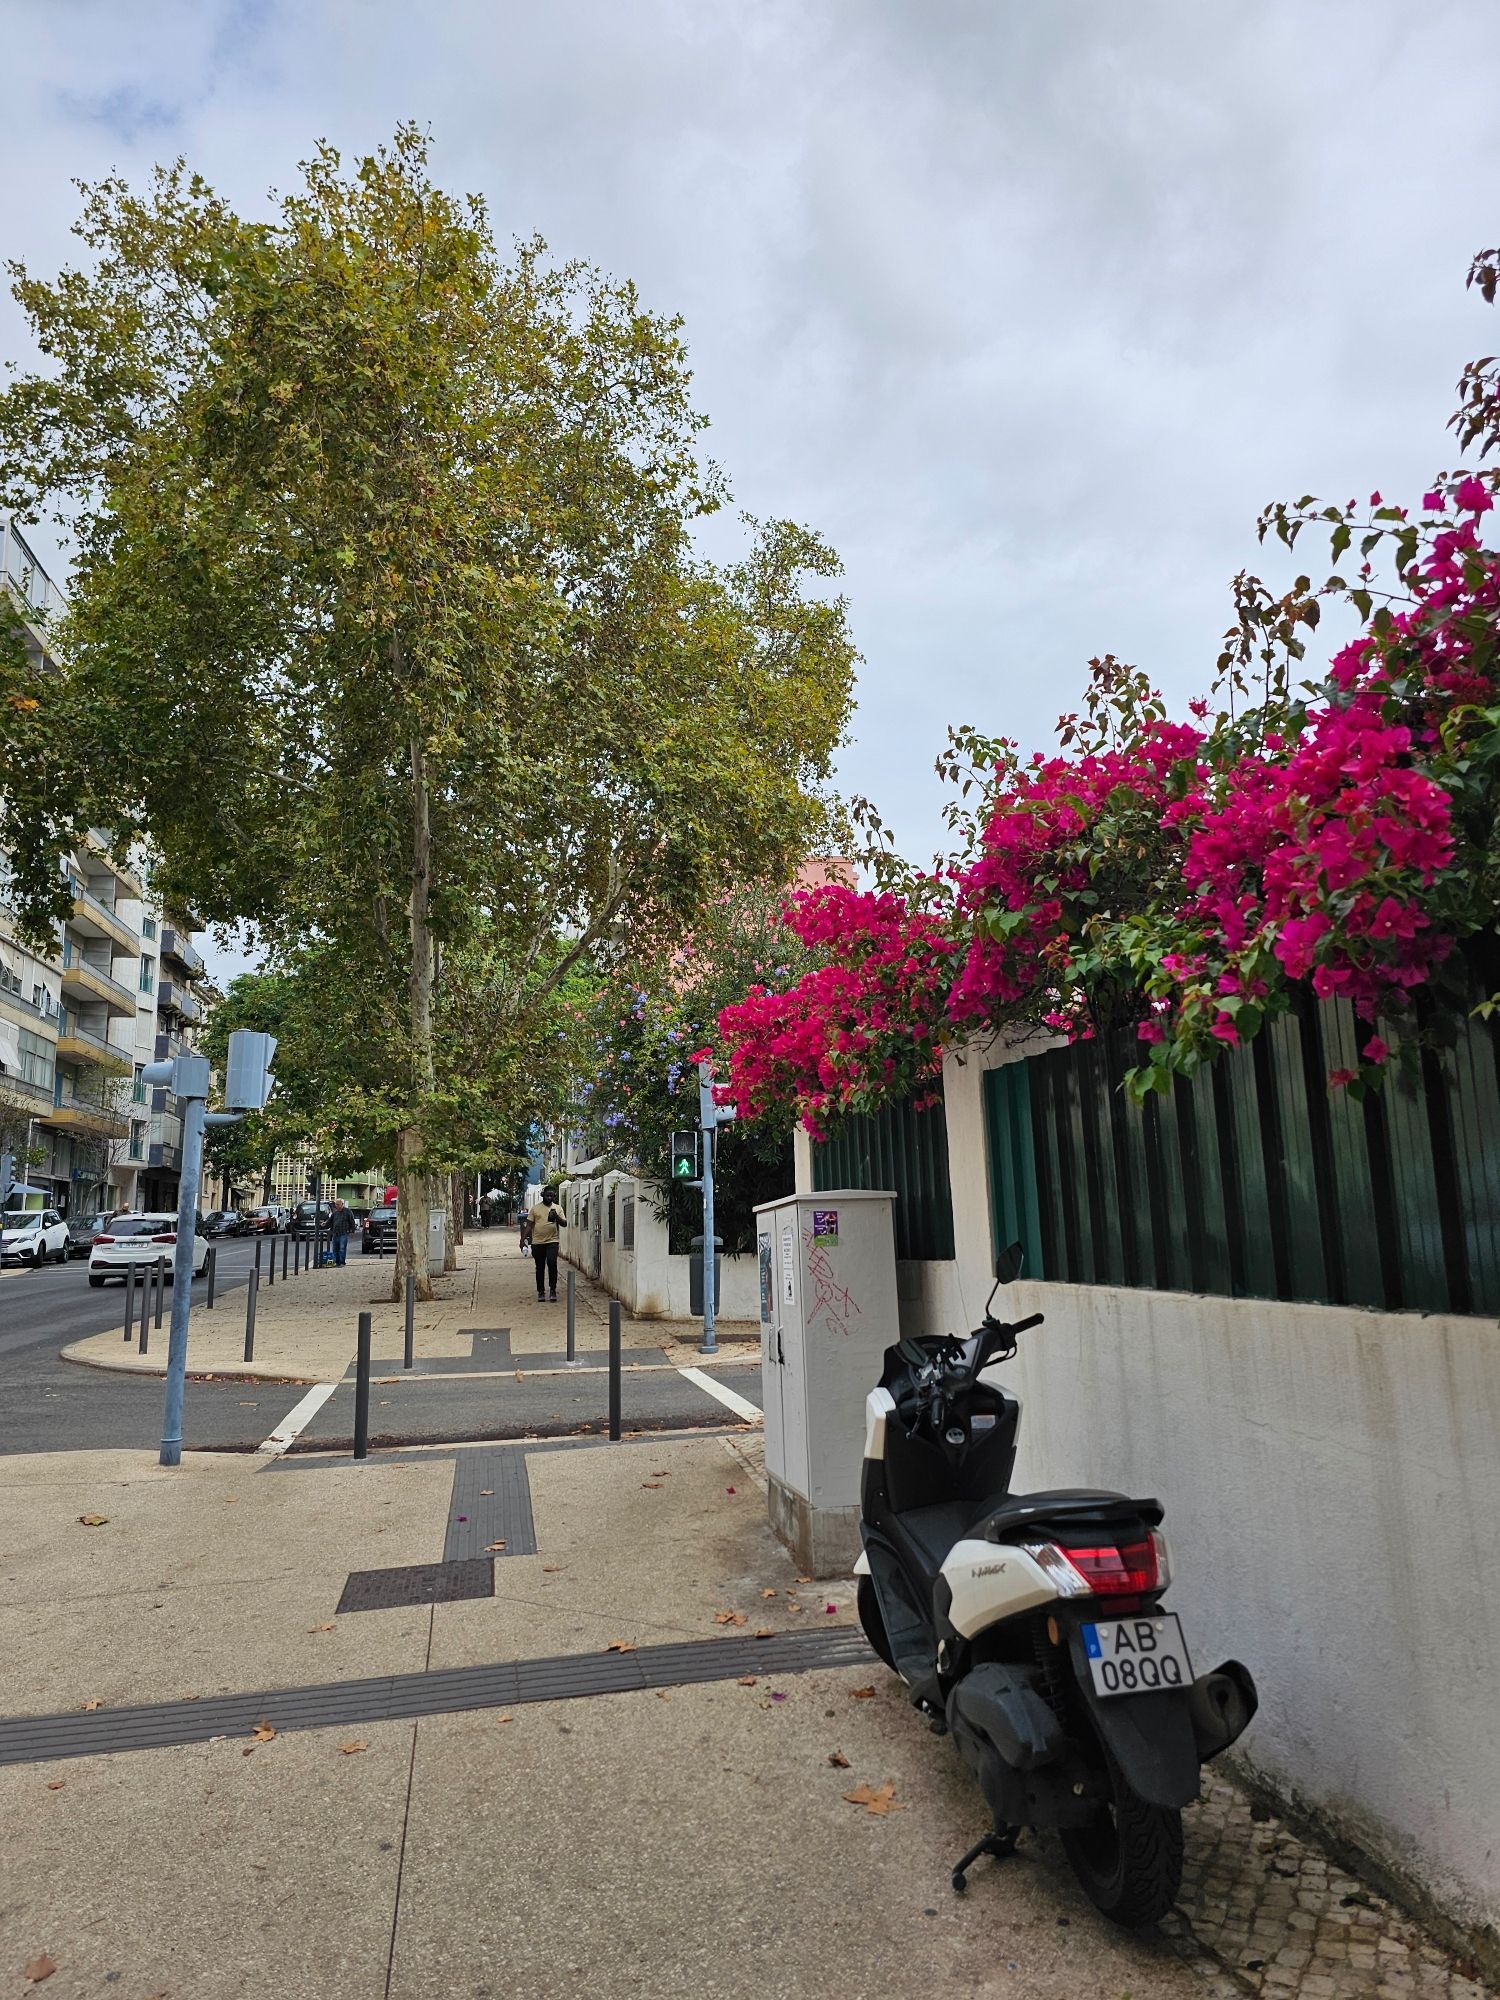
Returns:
point(79, 1020)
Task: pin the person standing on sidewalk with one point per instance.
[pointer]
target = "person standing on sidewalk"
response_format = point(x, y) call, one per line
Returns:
point(340, 1226)
point(544, 1221)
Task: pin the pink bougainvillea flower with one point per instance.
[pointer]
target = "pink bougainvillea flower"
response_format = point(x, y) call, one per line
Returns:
point(1340, 1079)
point(1375, 1050)
point(1472, 496)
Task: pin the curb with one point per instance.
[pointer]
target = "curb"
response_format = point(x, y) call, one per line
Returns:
point(156, 1371)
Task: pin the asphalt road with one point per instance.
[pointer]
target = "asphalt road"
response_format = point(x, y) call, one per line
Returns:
point(47, 1404)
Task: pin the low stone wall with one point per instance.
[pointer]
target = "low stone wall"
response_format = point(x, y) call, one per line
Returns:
point(647, 1279)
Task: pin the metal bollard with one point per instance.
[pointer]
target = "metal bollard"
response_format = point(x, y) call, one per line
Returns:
point(362, 1390)
point(614, 1370)
point(161, 1283)
point(411, 1314)
point(286, 1251)
point(573, 1361)
point(129, 1303)
point(271, 1260)
point(213, 1272)
point(250, 1297)
point(297, 1258)
point(145, 1332)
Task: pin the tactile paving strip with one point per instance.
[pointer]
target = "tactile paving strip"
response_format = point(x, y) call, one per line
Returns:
point(491, 1503)
point(36, 1739)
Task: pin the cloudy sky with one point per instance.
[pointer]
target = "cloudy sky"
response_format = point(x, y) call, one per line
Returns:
point(1029, 305)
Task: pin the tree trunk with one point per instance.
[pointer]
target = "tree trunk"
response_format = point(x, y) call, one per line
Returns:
point(454, 1234)
point(414, 1195)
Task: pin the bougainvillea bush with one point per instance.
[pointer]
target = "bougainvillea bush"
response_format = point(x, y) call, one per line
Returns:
point(1189, 879)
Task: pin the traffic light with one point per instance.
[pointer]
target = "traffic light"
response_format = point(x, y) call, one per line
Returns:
point(684, 1156)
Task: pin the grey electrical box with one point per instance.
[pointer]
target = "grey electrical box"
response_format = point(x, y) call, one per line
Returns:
point(247, 1075)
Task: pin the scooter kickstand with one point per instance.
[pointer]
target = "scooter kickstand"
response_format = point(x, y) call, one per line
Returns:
point(1000, 1842)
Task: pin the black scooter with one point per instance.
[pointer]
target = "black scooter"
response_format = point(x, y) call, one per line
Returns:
point(1030, 1625)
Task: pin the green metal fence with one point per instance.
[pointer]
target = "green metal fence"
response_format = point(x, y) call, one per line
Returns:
point(1254, 1179)
point(904, 1149)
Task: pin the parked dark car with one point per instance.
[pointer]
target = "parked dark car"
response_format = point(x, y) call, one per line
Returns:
point(82, 1229)
point(378, 1232)
point(308, 1214)
point(222, 1222)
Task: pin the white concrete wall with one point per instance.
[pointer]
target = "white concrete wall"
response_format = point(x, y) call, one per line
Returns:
point(1332, 1484)
point(649, 1282)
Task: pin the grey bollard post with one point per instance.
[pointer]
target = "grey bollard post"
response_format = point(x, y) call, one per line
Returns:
point(271, 1260)
point(145, 1332)
point(362, 1389)
point(213, 1272)
point(250, 1296)
point(161, 1282)
point(573, 1361)
point(286, 1251)
point(411, 1320)
point(297, 1257)
point(129, 1302)
point(614, 1370)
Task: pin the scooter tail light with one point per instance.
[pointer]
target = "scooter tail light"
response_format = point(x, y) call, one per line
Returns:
point(1059, 1572)
point(1127, 1569)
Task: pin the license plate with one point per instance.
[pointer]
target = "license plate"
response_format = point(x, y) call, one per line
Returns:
point(1138, 1655)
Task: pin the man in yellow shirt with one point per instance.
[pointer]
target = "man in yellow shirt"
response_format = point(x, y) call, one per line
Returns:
point(546, 1219)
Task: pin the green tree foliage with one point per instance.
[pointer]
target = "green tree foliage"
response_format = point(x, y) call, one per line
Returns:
point(386, 627)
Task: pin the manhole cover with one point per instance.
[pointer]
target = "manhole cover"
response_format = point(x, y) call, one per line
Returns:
point(422, 1583)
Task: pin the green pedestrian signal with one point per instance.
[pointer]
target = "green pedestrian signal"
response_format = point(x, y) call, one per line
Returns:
point(684, 1156)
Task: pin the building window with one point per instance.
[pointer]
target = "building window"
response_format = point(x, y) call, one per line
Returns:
point(148, 927)
point(138, 1087)
point(148, 973)
point(37, 1059)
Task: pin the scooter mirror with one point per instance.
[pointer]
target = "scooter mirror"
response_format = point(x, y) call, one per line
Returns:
point(1008, 1264)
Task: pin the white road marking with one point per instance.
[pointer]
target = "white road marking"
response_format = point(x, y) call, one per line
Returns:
point(297, 1419)
point(741, 1405)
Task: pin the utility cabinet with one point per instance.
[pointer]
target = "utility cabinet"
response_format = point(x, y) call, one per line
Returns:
point(828, 1312)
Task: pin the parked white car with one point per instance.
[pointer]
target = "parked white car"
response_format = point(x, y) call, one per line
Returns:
point(140, 1239)
point(37, 1238)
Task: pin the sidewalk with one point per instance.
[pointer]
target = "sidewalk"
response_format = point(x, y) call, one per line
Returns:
point(305, 1326)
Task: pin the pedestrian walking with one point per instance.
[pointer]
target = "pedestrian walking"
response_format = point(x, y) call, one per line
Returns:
point(542, 1225)
point(340, 1227)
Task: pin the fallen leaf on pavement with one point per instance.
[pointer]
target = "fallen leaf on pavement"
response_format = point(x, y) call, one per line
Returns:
point(385, 1381)
point(39, 1969)
point(505, 1718)
point(729, 1618)
point(651, 1485)
point(863, 1694)
point(349, 1749)
point(765, 1632)
point(520, 1375)
point(91, 1705)
point(620, 1646)
point(746, 1681)
point(56, 1784)
point(768, 1593)
point(663, 1694)
point(551, 1569)
point(263, 1731)
point(93, 1520)
point(838, 1760)
point(320, 1628)
point(486, 1492)
point(879, 1799)
point(804, 1579)
point(490, 1547)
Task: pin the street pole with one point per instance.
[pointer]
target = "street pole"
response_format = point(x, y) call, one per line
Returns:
point(710, 1343)
point(194, 1110)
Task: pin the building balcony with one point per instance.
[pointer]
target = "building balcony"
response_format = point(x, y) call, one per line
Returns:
point(172, 998)
point(83, 981)
point(165, 1156)
point(79, 1044)
point(77, 1115)
point(24, 1013)
point(98, 849)
point(21, 1091)
point(177, 947)
point(93, 918)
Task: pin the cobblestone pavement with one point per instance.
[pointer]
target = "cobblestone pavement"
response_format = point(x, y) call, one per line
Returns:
point(1289, 1924)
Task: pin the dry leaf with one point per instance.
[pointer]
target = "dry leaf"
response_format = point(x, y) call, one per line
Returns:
point(765, 1632)
point(663, 1694)
point(768, 1593)
point(878, 1799)
point(90, 1706)
point(551, 1569)
point(263, 1732)
point(746, 1681)
point(386, 1381)
point(505, 1718)
point(520, 1375)
point(838, 1760)
point(320, 1628)
point(804, 1579)
point(486, 1492)
point(56, 1784)
point(620, 1646)
point(490, 1547)
point(39, 1969)
point(92, 1521)
point(658, 1475)
point(349, 1749)
point(650, 1484)
point(863, 1694)
point(729, 1618)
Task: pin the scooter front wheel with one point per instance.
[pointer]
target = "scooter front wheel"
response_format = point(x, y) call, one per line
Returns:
point(867, 1603)
point(1129, 1858)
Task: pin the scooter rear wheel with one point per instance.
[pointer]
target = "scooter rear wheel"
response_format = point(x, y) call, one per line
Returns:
point(1129, 1860)
point(867, 1604)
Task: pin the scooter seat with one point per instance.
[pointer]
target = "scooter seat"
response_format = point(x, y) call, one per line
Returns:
point(1073, 1506)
